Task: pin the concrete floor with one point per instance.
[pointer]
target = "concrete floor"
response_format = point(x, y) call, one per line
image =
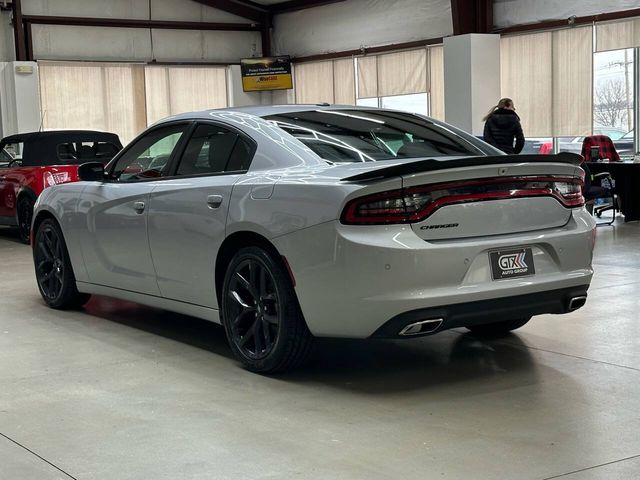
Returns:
point(121, 391)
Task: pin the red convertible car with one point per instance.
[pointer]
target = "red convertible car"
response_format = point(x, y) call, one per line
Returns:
point(31, 162)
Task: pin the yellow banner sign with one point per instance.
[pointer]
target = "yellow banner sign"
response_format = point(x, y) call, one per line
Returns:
point(266, 73)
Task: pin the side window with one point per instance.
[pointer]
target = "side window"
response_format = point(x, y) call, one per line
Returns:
point(241, 156)
point(85, 151)
point(12, 154)
point(214, 149)
point(149, 155)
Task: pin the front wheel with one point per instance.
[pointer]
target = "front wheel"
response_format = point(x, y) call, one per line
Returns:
point(54, 273)
point(261, 315)
point(25, 215)
point(498, 329)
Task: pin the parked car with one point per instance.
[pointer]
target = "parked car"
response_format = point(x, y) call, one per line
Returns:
point(285, 223)
point(623, 143)
point(34, 161)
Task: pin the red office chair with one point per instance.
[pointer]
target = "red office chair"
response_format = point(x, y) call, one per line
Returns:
point(605, 146)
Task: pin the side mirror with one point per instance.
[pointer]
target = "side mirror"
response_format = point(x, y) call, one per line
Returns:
point(91, 172)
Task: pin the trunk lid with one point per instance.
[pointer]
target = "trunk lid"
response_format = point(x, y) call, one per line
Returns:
point(484, 196)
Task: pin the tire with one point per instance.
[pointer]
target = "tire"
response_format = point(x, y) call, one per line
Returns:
point(261, 315)
point(498, 329)
point(54, 273)
point(25, 215)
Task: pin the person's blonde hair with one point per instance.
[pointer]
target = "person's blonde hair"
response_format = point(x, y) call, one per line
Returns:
point(503, 103)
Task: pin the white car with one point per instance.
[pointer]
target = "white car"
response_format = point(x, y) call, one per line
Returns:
point(289, 222)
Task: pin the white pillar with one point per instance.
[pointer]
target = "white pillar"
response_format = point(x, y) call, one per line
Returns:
point(240, 98)
point(19, 98)
point(471, 79)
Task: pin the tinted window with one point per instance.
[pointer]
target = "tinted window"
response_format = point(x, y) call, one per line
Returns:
point(371, 135)
point(10, 153)
point(87, 151)
point(148, 157)
point(214, 149)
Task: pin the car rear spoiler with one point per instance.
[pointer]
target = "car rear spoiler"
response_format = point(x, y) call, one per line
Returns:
point(430, 165)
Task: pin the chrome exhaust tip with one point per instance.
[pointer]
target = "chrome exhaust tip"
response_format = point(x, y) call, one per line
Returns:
point(420, 328)
point(576, 302)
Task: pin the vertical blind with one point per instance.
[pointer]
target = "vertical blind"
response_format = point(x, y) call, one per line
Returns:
point(124, 98)
point(330, 81)
point(573, 82)
point(344, 81)
point(549, 77)
point(314, 82)
point(618, 35)
point(389, 74)
point(93, 96)
point(173, 90)
point(525, 77)
point(436, 70)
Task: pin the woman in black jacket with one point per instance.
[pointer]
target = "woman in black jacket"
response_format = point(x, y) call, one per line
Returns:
point(502, 127)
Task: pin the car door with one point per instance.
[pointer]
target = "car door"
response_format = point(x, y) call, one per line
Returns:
point(187, 213)
point(115, 244)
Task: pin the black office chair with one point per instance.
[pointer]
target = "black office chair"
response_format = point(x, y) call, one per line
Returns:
point(600, 186)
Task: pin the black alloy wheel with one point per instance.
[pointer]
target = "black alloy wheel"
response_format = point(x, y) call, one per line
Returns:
point(54, 273)
point(25, 215)
point(261, 315)
point(254, 309)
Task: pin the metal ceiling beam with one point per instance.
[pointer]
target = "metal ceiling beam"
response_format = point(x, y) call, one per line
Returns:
point(294, 5)
point(249, 10)
point(472, 16)
point(131, 23)
point(18, 31)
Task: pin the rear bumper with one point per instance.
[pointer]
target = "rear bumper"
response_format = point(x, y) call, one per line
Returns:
point(351, 280)
point(482, 312)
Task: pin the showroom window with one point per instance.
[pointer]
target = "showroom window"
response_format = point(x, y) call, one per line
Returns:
point(331, 81)
point(124, 98)
point(171, 90)
point(96, 96)
point(411, 81)
point(540, 71)
point(616, 73)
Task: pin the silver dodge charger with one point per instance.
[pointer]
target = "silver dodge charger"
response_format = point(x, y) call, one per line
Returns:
point(285, 223)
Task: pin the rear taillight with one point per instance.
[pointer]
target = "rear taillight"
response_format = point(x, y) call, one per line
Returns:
point(414, 204)
point(55, 178)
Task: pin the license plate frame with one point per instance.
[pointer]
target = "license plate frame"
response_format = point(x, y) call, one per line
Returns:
point(511, 263)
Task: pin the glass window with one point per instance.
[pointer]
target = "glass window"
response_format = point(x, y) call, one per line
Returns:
point(613, 101)
point(81, 152)
point(537, 145)
point(415, 103)
point(367, 102)
point(241, 156)
point(213, 149)
point(148, 157)
point(12, 153)
point(353, 135)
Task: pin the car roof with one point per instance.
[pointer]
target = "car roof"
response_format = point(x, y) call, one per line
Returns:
point(61, 135)
point(266, 110)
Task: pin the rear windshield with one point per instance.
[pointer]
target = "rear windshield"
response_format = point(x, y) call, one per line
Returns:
point(356, 135)
point(86, 151)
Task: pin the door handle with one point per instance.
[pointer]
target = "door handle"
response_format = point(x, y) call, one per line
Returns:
point(214, 201)
point(138, 207)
